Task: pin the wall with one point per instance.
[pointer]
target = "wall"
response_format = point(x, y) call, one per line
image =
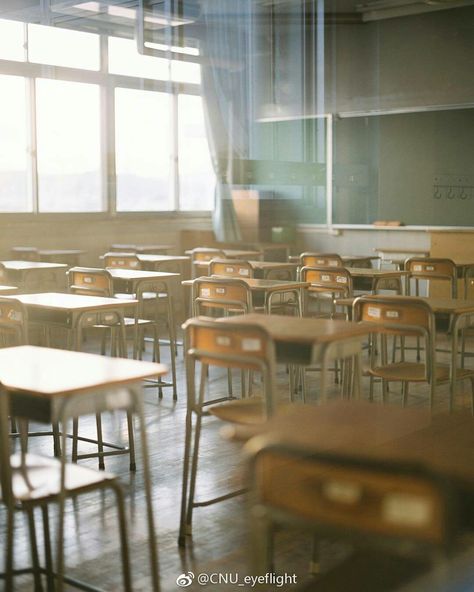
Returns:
point(361, 242)
point(95, 234)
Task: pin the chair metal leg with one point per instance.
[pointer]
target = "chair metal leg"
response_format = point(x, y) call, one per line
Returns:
point(405, 386)
point(127, 578)
point(34, 550)
point(48, 556)
point(100, 441)
point(75, 433)
point(9, 548)
point(193, 475)
point(131, 441)
point(184, 488)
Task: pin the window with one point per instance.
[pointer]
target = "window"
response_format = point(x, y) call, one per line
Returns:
point(124, 59)
point(196, 175)
point(14, 194)
point(12, 41)
point(69, 162)
point(53, 123)
point(63, 47)
point(143, 147)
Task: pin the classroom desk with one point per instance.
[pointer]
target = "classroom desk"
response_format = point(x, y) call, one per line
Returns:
point(275, 269)
point(143, 249)
point(24, 253)
point(130, 281)
point(305, 341)
point(53, 386)
point(74, 311)
point(271, 252)
point(349, 260)
point(172, 263)
point(35, 275)
point(376, 277)
point(7, 290)
point(262, 269)
point(235, 253)
point(398, 256)
point(269, 288)
point(68, 256)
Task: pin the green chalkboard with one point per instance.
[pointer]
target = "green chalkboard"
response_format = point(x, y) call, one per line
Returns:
point(414, 167)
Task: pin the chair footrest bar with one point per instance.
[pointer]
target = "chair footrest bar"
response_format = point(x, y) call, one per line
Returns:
point(221, 498)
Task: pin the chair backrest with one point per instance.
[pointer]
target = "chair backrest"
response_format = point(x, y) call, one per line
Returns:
point(206, 254)
point(230, 268)
point(429, 268)
point(362, 499)
point(221, 293)
point(13, 323)
point(404, 316)
point(122, 260)
point(337, 281)
point(219, 343)
point(3, 275)
point(90, 281)
point(321, 260)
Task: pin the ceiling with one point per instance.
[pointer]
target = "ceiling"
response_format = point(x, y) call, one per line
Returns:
point(118, 17)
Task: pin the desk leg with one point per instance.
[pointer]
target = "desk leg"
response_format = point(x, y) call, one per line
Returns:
point(454, 351)
point(148, 493)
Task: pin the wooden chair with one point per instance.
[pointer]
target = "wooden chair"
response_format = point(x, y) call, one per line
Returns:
point(203, 254)
point(92, 281)
point(404, 317)
point(122, 260)
point(429, 268)
point(328, 284)
point(98, 282)
point(29, 482)
point(362, 501)
point(321, 260)
point(221, 295)
point(215, 343)
point(159, 301)
point(230, 268)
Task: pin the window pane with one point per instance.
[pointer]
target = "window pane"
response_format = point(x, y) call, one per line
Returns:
point(13, 146)
point(124, 59)
point(185, 72)
point(12, 39)
point(69, 172)
point(143, 150)
point(63, 47)
point(196, 175)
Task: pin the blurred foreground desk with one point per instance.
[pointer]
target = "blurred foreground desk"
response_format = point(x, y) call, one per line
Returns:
point(380, 476)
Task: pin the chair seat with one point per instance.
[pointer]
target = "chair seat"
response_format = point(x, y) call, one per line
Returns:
point(244, 411)
point(44, 475)
point(414, 372)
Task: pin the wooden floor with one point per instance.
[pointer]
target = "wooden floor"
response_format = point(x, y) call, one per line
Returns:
point(220, 542)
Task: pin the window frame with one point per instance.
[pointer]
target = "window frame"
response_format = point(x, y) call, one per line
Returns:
point(107, 84)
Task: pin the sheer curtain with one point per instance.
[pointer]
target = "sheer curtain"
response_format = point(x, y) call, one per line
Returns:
point(226, 45)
